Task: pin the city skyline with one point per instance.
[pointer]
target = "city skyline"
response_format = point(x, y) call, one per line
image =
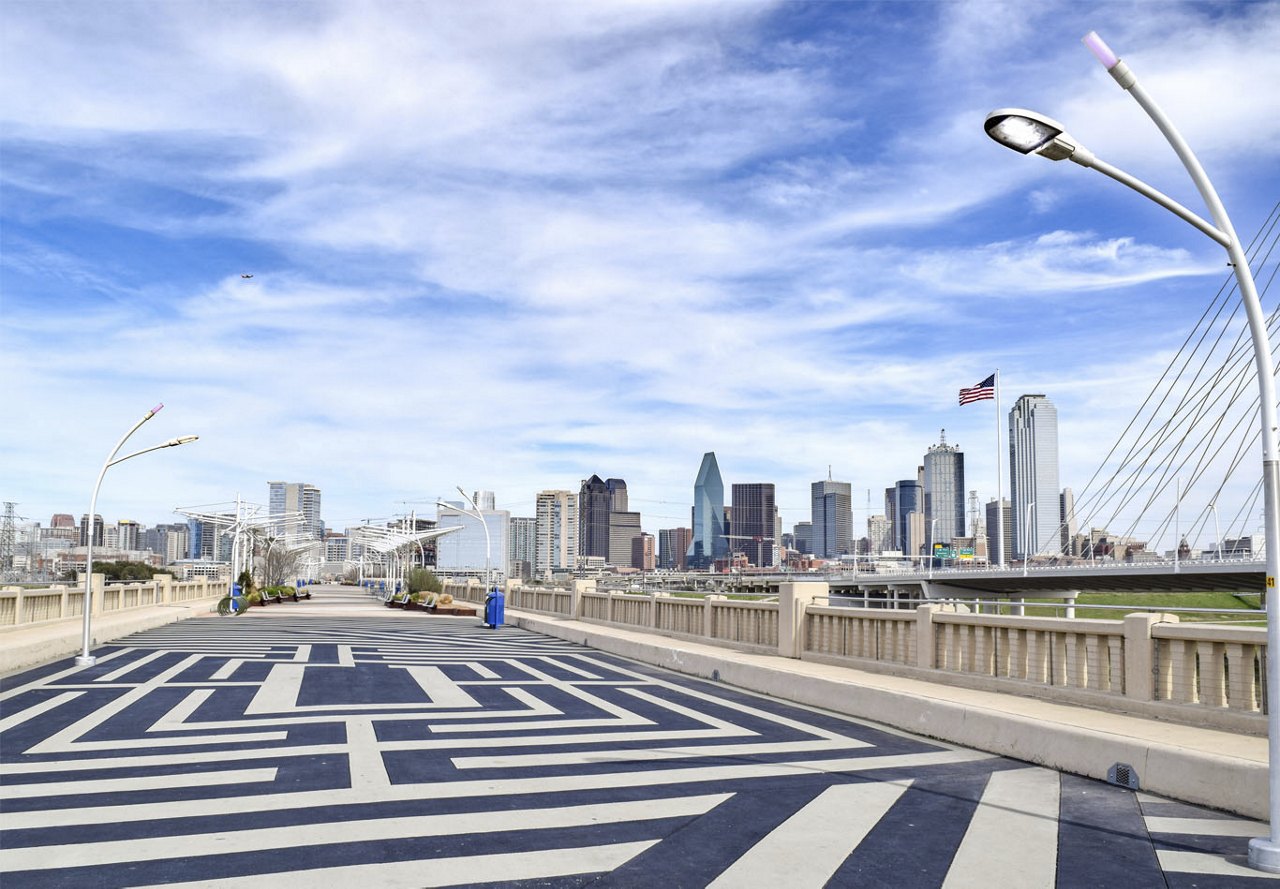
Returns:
point(395, 249)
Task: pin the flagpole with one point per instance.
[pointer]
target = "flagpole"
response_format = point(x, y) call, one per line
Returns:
point(999, 482)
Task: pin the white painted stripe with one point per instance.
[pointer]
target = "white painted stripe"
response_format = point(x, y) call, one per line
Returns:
point(37, 709)
point(365, 760)
point(435, 872)
point(121, 785)
point(177, 717)
point(228, 669)
point(345, 658)
point(570, 668)
point(650, 777)
point(279, 691)
point(1012, 838)
point(303, 654)
point(1208, 827)
point(297, 838)
point(809, 847)
point(481, 670)
point(645, 754)
point(46, 681)
point(440, 689)
point(130, 667)
point(1207, 863)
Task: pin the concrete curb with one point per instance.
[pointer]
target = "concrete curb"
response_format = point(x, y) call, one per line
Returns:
point(31, 645)
point(1202, 766)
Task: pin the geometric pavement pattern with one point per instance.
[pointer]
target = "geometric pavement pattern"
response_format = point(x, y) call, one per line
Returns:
point(331, 751)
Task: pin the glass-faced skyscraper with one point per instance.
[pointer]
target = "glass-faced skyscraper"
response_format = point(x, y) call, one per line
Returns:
point(1033, 477)
point(754, 514)
point(944, 491)
point(832, 515)
point(593, 518)
point(708, 543)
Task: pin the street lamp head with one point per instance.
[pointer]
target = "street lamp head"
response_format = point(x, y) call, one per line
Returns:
point(1027, 132)
point(181, 440)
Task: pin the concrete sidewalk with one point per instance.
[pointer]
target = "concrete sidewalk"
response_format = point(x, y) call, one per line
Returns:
point(1198, 765)
point(1205, 766)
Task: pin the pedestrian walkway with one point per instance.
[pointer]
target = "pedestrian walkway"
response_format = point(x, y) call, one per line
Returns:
point(313, 746)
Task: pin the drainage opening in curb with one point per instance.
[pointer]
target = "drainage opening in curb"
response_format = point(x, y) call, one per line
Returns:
point(715, 675)
point(1123, 775)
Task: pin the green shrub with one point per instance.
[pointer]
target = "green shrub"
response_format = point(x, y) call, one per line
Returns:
point(422, 580)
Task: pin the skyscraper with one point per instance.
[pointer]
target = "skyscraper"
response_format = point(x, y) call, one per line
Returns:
point(901, 501)
point(944, 490)
point(673, 548)
point(522, 545)
point(754, 511)
point(1033, 477)
point(299, 497)
point(832, 513)
point(593, 518)
point(994, 551)
point(708, 543)
point(557, 530)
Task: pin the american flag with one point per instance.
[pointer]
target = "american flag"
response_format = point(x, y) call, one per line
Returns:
point(984, 390)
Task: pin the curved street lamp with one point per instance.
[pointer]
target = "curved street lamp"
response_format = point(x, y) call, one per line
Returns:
point(479, 517)
point(85, 659)
point(1030, 133)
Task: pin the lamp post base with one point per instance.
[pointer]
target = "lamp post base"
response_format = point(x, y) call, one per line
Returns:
point(1264, 855)
point(86, 660)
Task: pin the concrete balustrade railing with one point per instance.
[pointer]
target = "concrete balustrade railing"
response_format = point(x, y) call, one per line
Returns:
point(1152, 664)
point(21, 607)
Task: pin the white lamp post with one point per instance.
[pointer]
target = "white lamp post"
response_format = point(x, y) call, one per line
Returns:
point(479, 517)
point(1026, 539)
point(85, 659)
point(1031, 133)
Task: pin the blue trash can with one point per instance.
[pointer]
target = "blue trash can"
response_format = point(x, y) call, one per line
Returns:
point(494, 608)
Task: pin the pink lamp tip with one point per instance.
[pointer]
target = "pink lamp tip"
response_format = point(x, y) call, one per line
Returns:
point(1101, 51)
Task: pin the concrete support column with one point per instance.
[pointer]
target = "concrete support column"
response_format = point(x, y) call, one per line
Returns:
point(924, 635)
point(1070, 599)
point(709, 615)
point(580, 586)
point(1140, 654)
point(164, 589)
point(793, 599)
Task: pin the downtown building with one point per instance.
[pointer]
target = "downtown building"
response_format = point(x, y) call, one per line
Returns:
point(832, 519)
point(556, 547)
point(904, 510)
point(673, 548)
point(295, 497)
point(1034, 494)
point(467, 551)
point(755, 515)
point(944, 491)
point(709, 544)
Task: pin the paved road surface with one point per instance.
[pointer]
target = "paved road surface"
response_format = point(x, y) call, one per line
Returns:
point(333, 743)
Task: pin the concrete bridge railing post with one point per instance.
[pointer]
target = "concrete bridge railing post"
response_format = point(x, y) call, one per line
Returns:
point(1140, 654)
point(925, 645)
point(793, 599)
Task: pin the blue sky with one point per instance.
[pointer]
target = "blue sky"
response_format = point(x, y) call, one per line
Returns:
point(506, 246)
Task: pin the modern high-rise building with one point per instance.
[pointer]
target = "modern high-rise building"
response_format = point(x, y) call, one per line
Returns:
point(617, 494)
point(624, 529)
point(754, 514)
point(99, 532)
point(593, 518)
point(879, 535)
point(296, 497)
point(128, 533)
point(523, 544)
point(1033, 477)
point(642, 553)
point(557, 532)
point(803, 533)
point(484, 501)
point(994, 554)
point(900, 502)
point(832, 513)
point(1067, 519)
point(944, 490)
point(673, 548)
point(709, 543)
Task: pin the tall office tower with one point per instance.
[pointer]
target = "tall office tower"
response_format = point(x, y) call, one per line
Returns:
point(903, 499)
point(832, 519)
point(176, 543)
point(617, 494)
point(1067, 519)
point(593, 518)
point(467, 551)
point(642, 554)
point(299, 497)
point(994, 553)
point(673, 548)
point(522, 546)
point(99, 532)
point(754, 512)
point(484, 501)
point(944, 490)
point(803, 532)
point(708, 542)
point(1033, 477)
point(624, 528)
point(128, 533)
point(557, 531)
point(879, 534)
